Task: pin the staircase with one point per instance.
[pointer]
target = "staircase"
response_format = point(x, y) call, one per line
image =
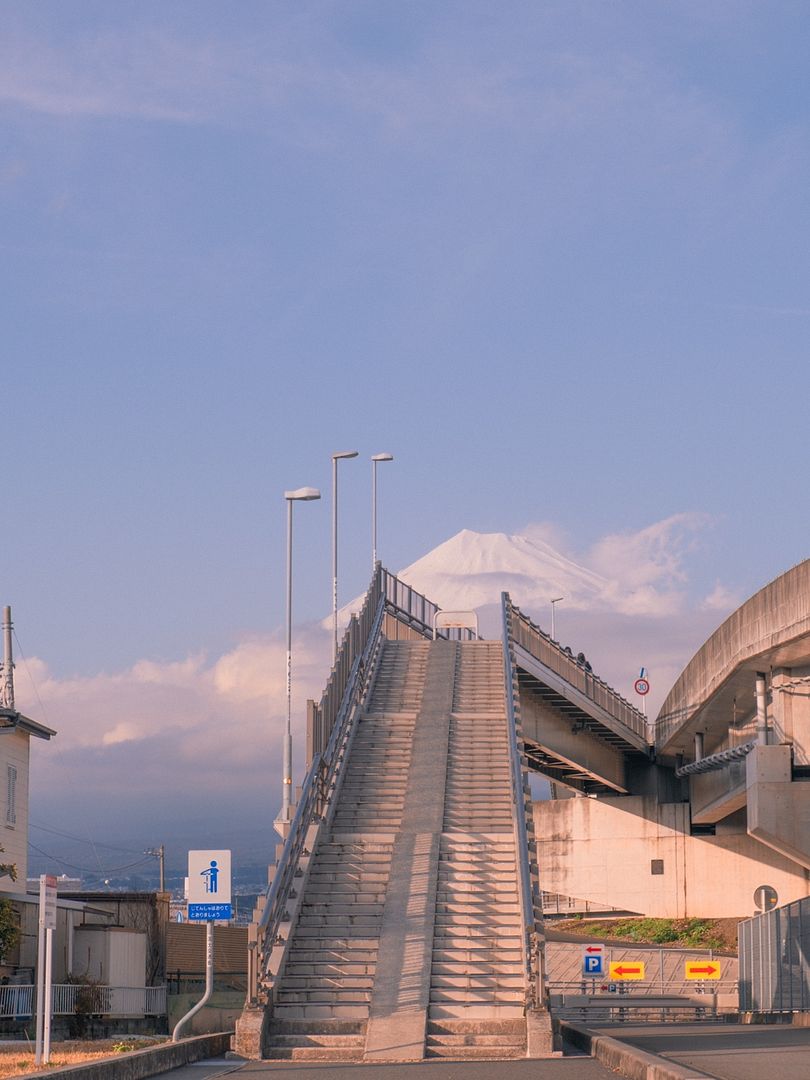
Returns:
point(477, 988)
point(408, 943)
point(322, 1004)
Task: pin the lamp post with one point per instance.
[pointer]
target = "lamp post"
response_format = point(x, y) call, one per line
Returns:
point(305, 494)
point(556, 600)
point(374, 460)
point(336, 457)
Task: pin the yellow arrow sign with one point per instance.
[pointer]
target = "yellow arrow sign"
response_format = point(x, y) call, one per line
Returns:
point(626, 969)
point(702, 969)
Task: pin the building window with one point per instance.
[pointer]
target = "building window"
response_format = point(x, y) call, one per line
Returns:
point(656, 866)
point(11, 800)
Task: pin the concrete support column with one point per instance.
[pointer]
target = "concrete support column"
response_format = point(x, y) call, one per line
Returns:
point(762, 710)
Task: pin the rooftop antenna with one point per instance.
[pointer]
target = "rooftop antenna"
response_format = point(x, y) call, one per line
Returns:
point(7, 686)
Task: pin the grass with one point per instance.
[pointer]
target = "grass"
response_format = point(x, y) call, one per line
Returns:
point(679, 933)
point(17, 1060)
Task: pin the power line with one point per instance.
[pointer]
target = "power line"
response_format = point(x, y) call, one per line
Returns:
point(85, 869)
point(82, 839)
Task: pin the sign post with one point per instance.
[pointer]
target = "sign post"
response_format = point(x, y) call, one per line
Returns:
point(47, 925)
point(209, 899)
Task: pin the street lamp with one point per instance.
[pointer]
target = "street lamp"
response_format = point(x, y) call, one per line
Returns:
point(339, 456)
point(305, 494)
point(374, 460)
point(556, 600)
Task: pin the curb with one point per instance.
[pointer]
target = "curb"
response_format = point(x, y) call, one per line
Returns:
point(139, 1064)
point(625, 1059)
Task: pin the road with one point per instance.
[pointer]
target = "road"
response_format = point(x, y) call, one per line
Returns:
point(573, 1068)
point(724, 1051)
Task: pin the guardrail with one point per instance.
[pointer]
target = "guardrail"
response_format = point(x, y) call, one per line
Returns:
point(539, 644)
point(70, 998)
point(531, 935)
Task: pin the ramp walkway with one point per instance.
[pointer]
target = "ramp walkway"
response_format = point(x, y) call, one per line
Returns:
point(403, 919)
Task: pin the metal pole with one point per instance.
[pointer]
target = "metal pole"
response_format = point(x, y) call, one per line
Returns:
point(7, 694)
point(162, 857)
point(287, 762)
point(209, 981)
point(373, 515)
point(375, 458)
point(334, 559)
point(46, 1038)
point(553, 630)
point(40, 985)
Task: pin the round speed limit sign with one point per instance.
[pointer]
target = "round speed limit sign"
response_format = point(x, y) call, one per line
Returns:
point(642, 687)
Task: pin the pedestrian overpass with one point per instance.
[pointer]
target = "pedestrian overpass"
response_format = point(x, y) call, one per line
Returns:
point(403, 919)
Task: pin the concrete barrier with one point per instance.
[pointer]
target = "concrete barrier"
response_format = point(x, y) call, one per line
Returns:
point(628, 1060)
point(139, 1064)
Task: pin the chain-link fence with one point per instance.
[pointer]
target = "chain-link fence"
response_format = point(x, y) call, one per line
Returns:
point(774, 953)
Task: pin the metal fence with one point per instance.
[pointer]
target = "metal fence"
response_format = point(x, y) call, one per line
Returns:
point(774, 953)
point(70, 998)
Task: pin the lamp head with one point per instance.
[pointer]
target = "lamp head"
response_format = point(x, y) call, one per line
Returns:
point(304, 494)
point(340, 454)
point(382, 457)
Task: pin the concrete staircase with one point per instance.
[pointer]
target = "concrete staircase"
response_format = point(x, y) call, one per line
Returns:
point(321, 1007)
point(408, 940)
point(477, 1002)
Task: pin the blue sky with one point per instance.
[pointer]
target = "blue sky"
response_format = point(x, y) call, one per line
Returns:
point(553, 256)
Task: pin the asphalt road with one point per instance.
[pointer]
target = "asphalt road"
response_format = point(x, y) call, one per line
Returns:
point(573, 1068)
point(724, 1051)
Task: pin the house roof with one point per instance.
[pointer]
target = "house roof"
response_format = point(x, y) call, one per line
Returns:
point(11, 720)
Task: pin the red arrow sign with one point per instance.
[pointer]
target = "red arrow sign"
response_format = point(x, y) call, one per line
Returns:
point(595, 948)
point(708, 970)
point(621, 970)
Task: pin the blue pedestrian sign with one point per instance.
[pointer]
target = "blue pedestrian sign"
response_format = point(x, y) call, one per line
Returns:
point(209, 885)
point(593, 960)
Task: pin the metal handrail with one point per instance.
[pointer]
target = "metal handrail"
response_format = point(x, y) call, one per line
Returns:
point(315, 796)
point(537, 642)
point(535, 993)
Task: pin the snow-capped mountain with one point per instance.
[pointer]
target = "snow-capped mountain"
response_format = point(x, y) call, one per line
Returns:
point(470, 570)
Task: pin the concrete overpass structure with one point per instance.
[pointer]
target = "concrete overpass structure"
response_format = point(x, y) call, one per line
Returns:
point(403, 918)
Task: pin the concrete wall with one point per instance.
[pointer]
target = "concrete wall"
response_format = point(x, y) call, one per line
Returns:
point(14, 751)
point(602, 850)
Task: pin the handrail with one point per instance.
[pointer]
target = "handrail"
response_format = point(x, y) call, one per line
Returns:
point(530, 938)
point(537, 642)
point(315, 796)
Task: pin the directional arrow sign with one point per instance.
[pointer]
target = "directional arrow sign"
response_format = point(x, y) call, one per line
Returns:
point(702, 969)
point(625, 969)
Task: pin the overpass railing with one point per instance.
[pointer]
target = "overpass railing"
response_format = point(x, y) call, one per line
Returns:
point(537, 642)
point(529, 888)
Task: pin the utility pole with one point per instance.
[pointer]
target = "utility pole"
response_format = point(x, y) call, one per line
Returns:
point(160, 853)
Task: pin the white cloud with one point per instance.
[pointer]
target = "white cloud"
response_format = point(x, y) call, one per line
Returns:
point(646, 569)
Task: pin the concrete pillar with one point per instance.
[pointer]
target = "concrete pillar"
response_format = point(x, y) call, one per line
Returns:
point(762, 710)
